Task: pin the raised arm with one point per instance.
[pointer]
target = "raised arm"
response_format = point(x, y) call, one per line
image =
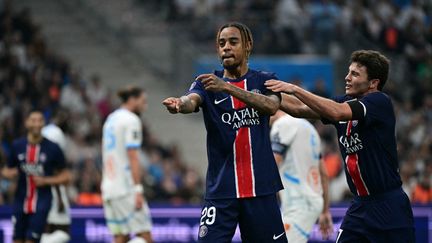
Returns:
point(322, 106)
point(185, 104)
point(267, 104)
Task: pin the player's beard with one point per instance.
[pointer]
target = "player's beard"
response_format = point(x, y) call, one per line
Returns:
point(231, 66)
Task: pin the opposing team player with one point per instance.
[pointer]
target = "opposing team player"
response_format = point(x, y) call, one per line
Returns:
point(365, 122)
point(242, 176)
point(39, 164)
point(126, 211)
point(297, 149)
point(59, 218)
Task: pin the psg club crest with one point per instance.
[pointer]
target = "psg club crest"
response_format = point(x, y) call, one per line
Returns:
point(42, 157)
point(203, 231)
point(257, 91)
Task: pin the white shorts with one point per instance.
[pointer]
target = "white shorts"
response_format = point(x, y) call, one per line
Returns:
point(300, 219)
point(123, 218)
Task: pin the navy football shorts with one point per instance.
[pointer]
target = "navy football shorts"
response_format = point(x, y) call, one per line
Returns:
point(259, 220)
point(379, 218)
point(29, 226)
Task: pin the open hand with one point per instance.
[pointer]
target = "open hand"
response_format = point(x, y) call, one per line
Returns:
point(279, 86)
point(325, 225)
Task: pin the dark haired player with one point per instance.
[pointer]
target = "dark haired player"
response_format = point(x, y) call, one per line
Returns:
point(365, 123)
point(242, 176)
point(39, 164)
point(126, 211)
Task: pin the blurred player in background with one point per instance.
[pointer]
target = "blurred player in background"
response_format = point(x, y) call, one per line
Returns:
point(59, 218)
point(39, 164)
point(126, 211)
point(365, 122)
point(297, 149)
point(242, 176)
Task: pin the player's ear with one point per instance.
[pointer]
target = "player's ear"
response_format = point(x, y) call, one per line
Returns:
point(374, 83)
point(249, 46)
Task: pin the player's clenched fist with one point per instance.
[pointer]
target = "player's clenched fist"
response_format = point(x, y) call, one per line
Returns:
point(172, 104)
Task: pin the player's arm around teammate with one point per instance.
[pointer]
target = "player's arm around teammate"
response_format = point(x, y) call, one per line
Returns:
point(268, 104)
point(308, 105)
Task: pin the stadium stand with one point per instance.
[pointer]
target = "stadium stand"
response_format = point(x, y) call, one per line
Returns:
point(33, 75)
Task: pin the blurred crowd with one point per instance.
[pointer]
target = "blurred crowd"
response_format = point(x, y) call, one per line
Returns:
point(34, 76)
point(401, 29)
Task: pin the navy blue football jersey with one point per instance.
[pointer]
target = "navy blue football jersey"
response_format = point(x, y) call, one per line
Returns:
point(368, 146)
point(41, 159)
point(240, 158)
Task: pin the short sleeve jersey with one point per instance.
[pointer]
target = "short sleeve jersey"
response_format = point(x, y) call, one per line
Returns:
point(368, 146)
point(240, 159)
point(43, 159)
point(297, 141)
point(121, 131)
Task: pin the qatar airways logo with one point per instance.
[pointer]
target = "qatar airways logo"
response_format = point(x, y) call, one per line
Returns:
point(352, 143)
point(241, 118)
point(33, 169)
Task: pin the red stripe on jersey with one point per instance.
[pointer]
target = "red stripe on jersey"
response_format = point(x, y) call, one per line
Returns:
point(238, 104)
point(353, 167)
point(349, 126)
point(354, 171)
point(244, 176)
point(243, 164)
point(31, 198)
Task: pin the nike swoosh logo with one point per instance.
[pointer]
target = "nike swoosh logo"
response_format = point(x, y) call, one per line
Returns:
point(219, 101)
point(278, 236)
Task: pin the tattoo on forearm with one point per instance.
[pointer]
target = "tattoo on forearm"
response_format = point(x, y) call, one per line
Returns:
point(260, 102)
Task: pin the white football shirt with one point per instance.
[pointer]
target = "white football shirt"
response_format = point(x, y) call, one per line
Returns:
point(53, 133)
point(300, 145)
point(121, 131)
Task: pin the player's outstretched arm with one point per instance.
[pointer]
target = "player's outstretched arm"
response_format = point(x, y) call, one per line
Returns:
point(267, 104)
point(322, 106)
point(185, 104)
point(325, 219)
